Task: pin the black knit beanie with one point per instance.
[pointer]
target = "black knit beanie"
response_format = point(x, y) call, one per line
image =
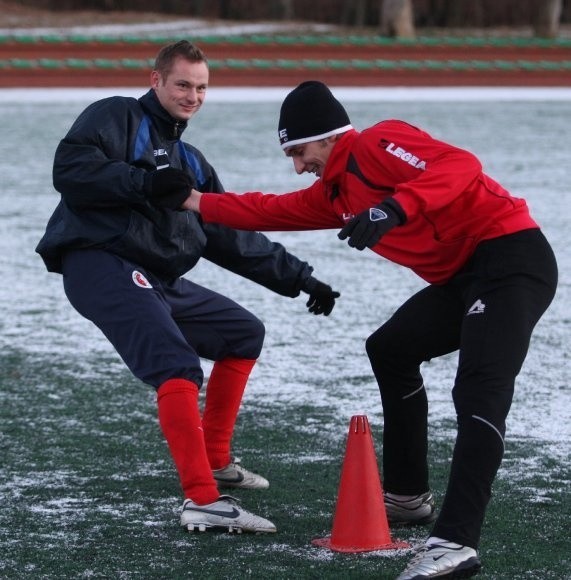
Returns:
point(309, 113)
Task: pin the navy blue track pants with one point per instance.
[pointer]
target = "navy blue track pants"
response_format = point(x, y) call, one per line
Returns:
point(487, 312)
point(160, 328)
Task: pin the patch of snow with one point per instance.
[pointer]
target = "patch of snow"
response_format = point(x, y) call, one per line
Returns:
point(191, 28)
point(307, 360)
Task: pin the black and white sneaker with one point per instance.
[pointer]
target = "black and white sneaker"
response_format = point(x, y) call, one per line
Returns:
point(234, 475)
point(440, 558)
point(224, 513)
point(411, 510)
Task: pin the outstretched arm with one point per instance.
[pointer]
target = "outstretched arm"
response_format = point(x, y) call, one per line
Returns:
point(192, 202)
point(305, 209)
point(321, 296)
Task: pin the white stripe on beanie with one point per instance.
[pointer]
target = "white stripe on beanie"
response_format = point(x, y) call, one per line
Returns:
point(310, 112)
point(287, 144)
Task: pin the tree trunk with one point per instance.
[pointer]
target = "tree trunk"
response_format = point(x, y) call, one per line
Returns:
point(397, 19)
point(546, 18)
point(282, 10)
point(354, 13)
point(360, 13)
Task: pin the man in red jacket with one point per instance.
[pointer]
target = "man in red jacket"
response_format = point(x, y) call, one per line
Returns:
point(491, 274)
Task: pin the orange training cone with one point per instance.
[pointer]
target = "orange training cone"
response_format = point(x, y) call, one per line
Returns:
point(360, 523)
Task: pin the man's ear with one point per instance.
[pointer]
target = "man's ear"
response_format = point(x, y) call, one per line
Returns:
point(331, 140)
point(155, 79)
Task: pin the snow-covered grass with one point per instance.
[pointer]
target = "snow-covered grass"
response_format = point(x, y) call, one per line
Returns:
point(521, 142)
point(72, 418)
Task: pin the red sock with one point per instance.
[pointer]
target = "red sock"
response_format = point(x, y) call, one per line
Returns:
point(179, 418)
point(223, 397)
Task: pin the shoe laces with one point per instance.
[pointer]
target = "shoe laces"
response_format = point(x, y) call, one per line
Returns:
point(417, 558)
point(422, 550)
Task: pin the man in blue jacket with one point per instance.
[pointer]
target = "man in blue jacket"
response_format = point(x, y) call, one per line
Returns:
point(122, 242)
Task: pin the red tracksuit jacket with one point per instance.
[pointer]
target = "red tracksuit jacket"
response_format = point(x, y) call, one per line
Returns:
point(450, 204)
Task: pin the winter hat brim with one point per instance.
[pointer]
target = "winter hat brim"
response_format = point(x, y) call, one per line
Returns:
point(309, 113)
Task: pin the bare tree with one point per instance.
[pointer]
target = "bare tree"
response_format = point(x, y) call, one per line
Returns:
point(546, 17)
point(287, 11)
point(354, 12)
point(360, 12)
point(397, 18)
point(279, 10)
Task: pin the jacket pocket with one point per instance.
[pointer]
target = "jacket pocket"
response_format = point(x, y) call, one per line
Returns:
point(169, 244)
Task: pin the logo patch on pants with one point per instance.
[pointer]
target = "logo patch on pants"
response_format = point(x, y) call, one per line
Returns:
point(477, 308)
point(140, 280)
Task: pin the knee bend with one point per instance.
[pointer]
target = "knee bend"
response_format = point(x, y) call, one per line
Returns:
point(258, 330)
point(384, 352)
point(255, 333)
point(376, 345)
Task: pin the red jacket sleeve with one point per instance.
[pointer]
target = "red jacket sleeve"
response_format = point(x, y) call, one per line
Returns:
point(305, 209)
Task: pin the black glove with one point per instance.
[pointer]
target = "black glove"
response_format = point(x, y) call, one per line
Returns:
point(367, 228)
point(321, 296)
point(168, 187)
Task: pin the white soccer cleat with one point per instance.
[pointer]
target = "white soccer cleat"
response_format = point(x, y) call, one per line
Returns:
point(223, 513)
point(414, 510)
point(234, 475)
point(439, 558)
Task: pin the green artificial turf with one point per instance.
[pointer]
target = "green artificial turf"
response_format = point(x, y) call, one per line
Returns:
point(89, 490)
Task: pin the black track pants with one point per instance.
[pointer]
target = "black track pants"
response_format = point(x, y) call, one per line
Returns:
point(487, 312)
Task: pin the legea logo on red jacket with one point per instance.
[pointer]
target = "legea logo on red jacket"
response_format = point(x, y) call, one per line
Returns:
point(402, 154)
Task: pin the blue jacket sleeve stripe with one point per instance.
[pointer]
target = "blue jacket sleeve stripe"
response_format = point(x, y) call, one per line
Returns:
point(192, 162)
point(143, 138)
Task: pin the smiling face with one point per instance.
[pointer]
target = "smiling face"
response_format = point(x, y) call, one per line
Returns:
point(181, 90)
point(311, 157)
